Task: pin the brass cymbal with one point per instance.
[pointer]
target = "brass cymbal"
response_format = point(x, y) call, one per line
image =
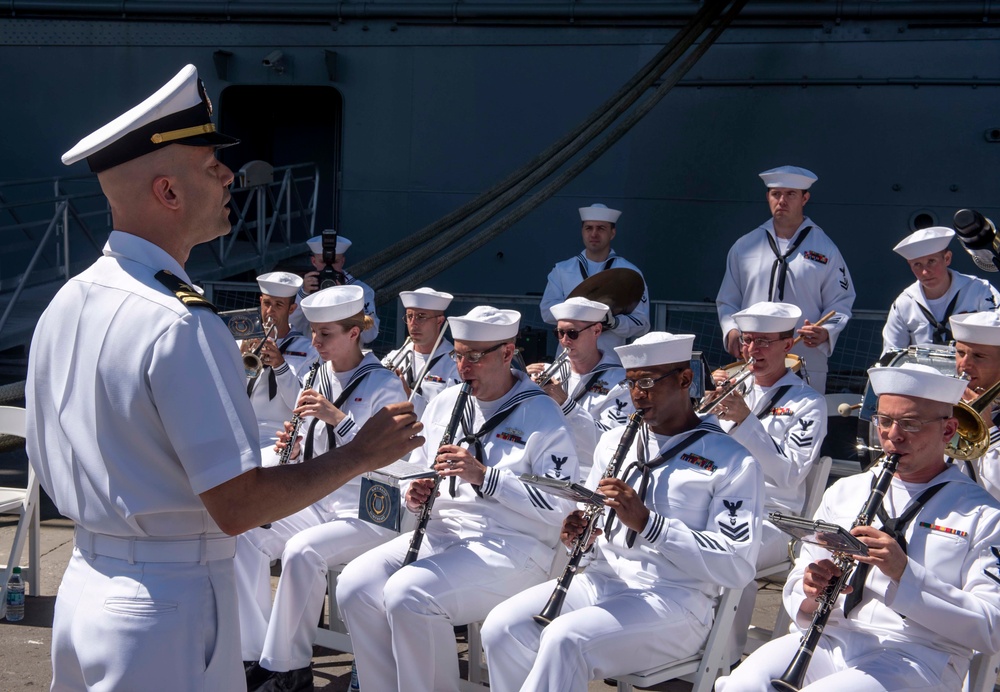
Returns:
point(620, 289)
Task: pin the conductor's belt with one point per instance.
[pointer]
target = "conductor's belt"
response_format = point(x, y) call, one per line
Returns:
point(136, 549)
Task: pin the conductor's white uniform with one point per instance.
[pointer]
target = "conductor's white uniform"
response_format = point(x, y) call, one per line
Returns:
point(641, 605)
point(908, 324)
point(918, 634)
point(274, 393)
point(817, 281)
point(298, 319)
point(442, 373)
point(481, 546)
point(124, 448)
point(325, 534)
point(568, 274)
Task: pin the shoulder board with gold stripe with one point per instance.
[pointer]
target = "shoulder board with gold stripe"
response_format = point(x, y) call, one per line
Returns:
point(184, 292)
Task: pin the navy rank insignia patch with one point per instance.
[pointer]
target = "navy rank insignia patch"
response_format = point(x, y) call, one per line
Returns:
point(781, 411)
point(816, 257)
point(699, 461)
point(512, 435)
point(736, 525)
point(557, 471)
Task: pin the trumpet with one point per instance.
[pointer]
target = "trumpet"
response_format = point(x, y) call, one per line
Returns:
point(708, 403)
point(552, 370)
point(252, 364)
point(399, 360)
point(592, 514)
point(791, 679)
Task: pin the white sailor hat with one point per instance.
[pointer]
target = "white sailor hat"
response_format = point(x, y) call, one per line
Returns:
point(789, 176)
point(178, 113)
point(914, 379)
point(425, 299)
point(599, 212)
point(981, 328)
point(485, 323)
point(656, 348)
point(579, 308)
point(333, 304)
point(316, 244)
point(279, 284)
point(768, 317)
point(924, 242)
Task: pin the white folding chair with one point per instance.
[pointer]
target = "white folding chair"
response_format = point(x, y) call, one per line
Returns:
point(702, 669)
point(24, 503)
point(334, 636)
point(815, 486)
point(983, 673)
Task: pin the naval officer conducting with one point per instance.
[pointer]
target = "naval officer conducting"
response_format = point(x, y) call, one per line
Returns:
point(140, 428)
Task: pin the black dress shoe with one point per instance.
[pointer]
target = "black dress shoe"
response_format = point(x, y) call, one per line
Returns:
point(256, 676)
point(299, 680)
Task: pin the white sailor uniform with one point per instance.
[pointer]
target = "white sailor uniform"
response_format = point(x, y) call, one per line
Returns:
point(918, 633)
point(910, 317)
point(124, 448)
point(325, 534)
point(274, 393)
point(986, 469)
point(443, 373)
point(481, 546)
point(298, 320)
point(817, 281)
point(595, 402)
point(648, 597)
point(568, 274)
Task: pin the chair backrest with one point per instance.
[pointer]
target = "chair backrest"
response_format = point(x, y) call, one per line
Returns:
point(13, 421)
point(816, 485)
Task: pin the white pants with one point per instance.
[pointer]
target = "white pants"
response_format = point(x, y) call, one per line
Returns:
point(773, 551)
point(852, 662)
point(605, 629)
point(402, 619)
point(281, 637)
point(146, 626)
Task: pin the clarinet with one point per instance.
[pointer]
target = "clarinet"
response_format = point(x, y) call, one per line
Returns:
point(297, 418)
point(592, 514)
point(448, 438)
point(791, 679)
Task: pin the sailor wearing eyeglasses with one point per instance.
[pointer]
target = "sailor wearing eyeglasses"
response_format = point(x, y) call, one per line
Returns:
point(587, 384)
point(687, 515)
point(493, 537)
point(424, 321)
point(977, 355)
point(781, 420)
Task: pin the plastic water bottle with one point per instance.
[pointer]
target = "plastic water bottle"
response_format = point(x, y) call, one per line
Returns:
point(15, 597)
point(355, 687)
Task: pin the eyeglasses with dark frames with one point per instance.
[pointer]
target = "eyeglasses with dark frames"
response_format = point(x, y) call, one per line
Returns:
point(647, 382)
point(572, 334)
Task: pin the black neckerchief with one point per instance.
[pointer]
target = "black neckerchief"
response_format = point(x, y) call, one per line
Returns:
point(942, 331)
point(780, 266)
point(417, 385)
point(598, 371)
point(895, 527)
point(361, 373)
point(775, 398)
point(582, 260)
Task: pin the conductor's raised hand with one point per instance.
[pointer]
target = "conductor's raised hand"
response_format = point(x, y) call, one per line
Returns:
point(390, 434)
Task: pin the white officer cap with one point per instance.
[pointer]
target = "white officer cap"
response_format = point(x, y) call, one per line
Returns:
point(599, 212)
point(333, 304)
point(656, 348)
point(485, 323)
point(789, 176)
point(425, 299)
point(981, 328)
point(768, 317)
point(914, 379)
point(924, 242)
point(579, 308)
point(279, 284)
point(178, 113)
point(316, 244)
